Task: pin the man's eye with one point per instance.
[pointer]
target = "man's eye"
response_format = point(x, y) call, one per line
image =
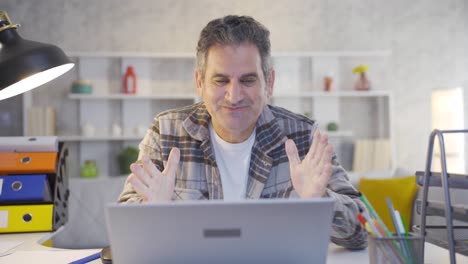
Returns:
point(220, 81)
point(249, 81)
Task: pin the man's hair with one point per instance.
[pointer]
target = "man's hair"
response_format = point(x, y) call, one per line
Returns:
point(234, 30)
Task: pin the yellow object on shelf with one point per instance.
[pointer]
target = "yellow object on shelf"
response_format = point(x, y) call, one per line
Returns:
point(402, 192)
point(361, 68)
point(26, 218)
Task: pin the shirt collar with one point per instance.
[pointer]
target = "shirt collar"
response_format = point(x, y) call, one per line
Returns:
point(269, 133)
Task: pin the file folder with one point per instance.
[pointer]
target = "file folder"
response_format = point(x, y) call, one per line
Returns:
point(29, 144)
point(26, 218)
point(17, 188)
point(27, 162)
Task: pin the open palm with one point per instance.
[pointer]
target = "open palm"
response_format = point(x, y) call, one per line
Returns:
point(152, 184)
point(311, 175)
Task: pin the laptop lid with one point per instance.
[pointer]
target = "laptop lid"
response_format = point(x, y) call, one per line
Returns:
point(251, 231)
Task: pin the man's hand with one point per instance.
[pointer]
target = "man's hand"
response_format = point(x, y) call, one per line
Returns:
point(150, 183)
point(311, 175)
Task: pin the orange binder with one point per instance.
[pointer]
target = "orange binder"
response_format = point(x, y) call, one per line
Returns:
point(27, 162)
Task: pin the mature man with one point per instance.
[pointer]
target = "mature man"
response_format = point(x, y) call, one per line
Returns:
point(233, 145)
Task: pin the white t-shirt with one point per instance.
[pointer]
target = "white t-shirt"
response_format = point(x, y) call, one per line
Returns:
point(233, 163)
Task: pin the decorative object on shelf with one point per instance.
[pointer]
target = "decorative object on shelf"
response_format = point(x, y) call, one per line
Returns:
point(116, 130)
point(25, 64)
point(82, 87)
point(41, 121)
point(89, 169)
point(328, 83)
point(362, 83)
point(140, 130)
point(332, 126)
point(88, 130)
point(130, 81)
point(125, 158)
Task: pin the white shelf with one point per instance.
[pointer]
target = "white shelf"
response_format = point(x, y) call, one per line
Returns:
point(191, 55)
point(339, 133)
point(156, 55)
point(371, 53)
point(98, 138)
point(371, 93)
point(132, 97)
point(163, 80)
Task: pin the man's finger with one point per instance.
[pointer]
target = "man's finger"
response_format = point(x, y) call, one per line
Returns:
point(139, 187)
point(313, 147)
point(291, 152)
point(172, 163)
point(150, 168)
point(325, 175)
point(141, 174)
point(320, 152)
point(326, 156)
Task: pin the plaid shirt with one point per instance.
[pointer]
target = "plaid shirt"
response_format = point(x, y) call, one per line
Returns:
point(198, 176)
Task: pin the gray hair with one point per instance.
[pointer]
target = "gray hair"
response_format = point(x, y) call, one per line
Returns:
point(234, 30)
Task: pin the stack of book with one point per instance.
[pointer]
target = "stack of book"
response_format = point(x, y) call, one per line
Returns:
point(33, 184)
point(40, 121)
point(372, 155)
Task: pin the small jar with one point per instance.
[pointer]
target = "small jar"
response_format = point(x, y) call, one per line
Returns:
point(89, 169)
point(82, 87)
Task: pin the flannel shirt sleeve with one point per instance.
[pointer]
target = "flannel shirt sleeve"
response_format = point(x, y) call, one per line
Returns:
point(346, 229)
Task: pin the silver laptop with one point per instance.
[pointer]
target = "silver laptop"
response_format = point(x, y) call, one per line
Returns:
point(251, 231)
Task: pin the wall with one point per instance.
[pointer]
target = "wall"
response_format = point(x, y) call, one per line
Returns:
point(427, 39)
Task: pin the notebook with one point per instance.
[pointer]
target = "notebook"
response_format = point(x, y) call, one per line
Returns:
point(250, 231)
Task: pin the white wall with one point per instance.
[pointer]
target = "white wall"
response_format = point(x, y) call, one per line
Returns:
point(427, 39)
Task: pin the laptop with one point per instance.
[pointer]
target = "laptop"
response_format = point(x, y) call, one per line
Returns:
point(250, 231)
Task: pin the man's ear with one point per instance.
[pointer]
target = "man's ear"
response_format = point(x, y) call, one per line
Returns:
point(270, 86)
point(199, 82)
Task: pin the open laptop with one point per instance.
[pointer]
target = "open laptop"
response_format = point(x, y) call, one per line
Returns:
point(251, 231)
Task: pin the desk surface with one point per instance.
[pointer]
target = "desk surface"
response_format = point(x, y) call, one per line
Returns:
point(30, 248)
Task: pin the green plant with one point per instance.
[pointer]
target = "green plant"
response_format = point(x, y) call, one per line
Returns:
point(332, 126)
point(125, 158)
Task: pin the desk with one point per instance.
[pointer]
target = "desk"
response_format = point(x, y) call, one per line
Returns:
point(41, 254)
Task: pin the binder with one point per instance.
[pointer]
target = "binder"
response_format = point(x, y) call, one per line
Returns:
point(29, 144)
point(26, 218)
point(36, 216)
point(18, 188)
point(27, 162)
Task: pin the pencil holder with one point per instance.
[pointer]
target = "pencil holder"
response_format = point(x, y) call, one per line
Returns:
point(404, 250)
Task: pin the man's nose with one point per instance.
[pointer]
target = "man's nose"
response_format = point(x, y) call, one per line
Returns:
point(234, 92)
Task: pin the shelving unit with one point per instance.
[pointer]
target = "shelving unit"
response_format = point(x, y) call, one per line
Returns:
point(452, 236)
point(165, 81)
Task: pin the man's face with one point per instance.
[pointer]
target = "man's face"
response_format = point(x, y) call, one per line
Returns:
point(234, 90)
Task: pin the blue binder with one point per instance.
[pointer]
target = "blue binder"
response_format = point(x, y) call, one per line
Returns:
point(16, 188)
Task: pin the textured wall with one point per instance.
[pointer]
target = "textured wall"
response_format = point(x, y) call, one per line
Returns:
point(427, 39)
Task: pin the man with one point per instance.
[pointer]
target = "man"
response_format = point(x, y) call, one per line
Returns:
point(233, 145)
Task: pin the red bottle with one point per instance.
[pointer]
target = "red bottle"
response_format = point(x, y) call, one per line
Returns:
point(129, 81)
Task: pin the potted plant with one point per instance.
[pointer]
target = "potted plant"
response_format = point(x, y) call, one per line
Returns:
point(125, 158)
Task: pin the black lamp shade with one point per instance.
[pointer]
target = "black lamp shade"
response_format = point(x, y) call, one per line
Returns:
point(26, 64)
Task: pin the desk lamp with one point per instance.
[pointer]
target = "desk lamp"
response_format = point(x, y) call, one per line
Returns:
point(25, 64)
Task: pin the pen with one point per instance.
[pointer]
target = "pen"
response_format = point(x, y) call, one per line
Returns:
point(375, 215)
point(404, 225)
point(398, 226)
point(402, 230)
point(380, 222)
point(391, 244)
point(87, 259)
point(372, 227)
point(364, 223)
